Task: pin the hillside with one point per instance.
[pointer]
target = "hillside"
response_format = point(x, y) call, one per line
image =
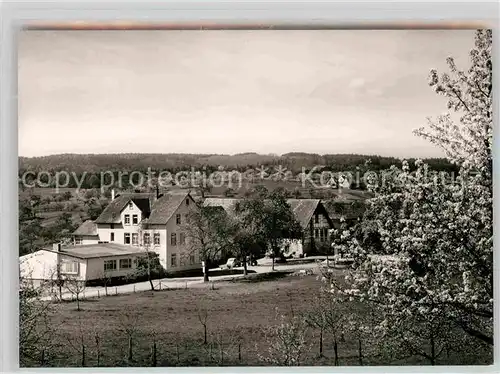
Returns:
point(92, 163)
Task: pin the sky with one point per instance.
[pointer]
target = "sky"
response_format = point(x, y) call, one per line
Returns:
point(233, 91)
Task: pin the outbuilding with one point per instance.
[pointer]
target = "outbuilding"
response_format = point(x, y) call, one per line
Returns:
point(84, 263)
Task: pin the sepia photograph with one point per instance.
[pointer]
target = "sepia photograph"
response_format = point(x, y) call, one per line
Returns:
point(208, 197)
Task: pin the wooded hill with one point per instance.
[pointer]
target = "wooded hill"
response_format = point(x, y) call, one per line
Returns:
point(94, 163)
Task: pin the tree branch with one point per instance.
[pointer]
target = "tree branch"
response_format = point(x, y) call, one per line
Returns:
point(476, 333)
point(460, 98)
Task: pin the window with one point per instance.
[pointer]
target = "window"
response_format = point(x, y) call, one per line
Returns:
point(127, 219)
point(191, 259)
point(135, 219)
point(156, 238)
point(178, 219)
point(173, 239)
point(69, 267)
point(147, 238)
point(112, 237)
point(109, 265)
point(135, 239)
point(187, 201)
point(173, 259)
point(316, 233)
point(126, 238)
point(316, 218)
point(112, 226)
point(182, 238)
point(78, 241)
point(321, 232)
point(125, 263)
point(326, 233)
point(130, 205)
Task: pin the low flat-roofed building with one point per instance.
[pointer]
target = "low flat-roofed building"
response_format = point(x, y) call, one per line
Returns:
point(81, 262)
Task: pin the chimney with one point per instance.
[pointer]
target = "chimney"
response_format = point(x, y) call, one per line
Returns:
point(56, 247)
point(112, 194)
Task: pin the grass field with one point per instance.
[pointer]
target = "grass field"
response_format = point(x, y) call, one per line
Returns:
point(239, 313)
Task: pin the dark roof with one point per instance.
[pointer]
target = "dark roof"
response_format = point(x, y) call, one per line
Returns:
point(215, 208)
point(226, 203)
point(165, 207)
point(303, 209)
point(347, 217)
point(347, 210)
point(111, 214)
point(97, 250)
point(87, 228)
point(144, 204)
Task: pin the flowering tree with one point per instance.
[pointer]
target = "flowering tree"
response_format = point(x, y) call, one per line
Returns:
point(287, 342)
point(437, 235)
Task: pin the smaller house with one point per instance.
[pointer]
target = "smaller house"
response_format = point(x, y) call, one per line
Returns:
point(86, 263)
point(310, 214)
point(350, 212)
point(316, 225)
point(86, 233)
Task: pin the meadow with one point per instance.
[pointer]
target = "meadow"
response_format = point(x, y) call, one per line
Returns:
point(240, 316)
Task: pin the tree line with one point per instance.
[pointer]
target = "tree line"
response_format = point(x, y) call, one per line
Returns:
point(87, 168)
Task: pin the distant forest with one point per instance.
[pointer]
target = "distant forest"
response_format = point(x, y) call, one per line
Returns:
point(93, 164)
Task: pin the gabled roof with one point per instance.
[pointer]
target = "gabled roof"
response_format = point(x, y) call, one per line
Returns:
point(111, 214)
point(164, 208)
point(303, 209)
point(144, 205)
point(87, 228)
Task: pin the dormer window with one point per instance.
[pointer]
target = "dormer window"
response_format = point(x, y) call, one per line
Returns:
point(131, 205)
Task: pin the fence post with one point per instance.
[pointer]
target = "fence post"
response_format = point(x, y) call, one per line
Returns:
point(134, 288)
point(160, 284)
point(98, 296)
point(42, 360)
point(116, 290)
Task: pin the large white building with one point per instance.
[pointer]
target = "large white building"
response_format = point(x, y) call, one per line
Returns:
point(130, 225)
point(145, 220)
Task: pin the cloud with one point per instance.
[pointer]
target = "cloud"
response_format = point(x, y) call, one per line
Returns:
point(357, 83)
point(361, 87)
point(374, 92)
